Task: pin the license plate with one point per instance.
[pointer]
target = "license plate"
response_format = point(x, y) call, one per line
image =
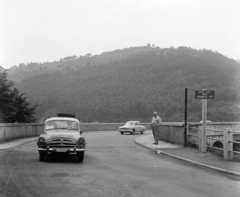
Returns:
point(61, 150)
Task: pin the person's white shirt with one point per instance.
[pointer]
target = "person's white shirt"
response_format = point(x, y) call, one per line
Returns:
point(156, 120)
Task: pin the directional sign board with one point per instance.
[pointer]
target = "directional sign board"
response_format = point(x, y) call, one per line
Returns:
point(204, 94)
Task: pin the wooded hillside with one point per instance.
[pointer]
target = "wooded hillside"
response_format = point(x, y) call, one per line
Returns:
point(130, 84)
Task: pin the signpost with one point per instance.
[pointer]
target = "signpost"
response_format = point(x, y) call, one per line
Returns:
point(204, 95)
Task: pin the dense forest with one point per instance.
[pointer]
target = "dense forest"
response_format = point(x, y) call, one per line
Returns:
point(130, 84)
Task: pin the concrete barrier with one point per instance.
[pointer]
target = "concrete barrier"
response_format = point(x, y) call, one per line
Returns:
point(172, 132)
point(169, 131)
point(100, 126)
point(9, 131)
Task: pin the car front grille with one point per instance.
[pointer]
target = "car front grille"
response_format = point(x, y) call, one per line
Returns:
point(61, 143)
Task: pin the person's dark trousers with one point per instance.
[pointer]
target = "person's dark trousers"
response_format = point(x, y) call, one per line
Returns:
point(157, 135)
point(154, 129)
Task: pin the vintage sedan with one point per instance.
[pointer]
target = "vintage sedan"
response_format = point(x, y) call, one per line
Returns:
point(62, 135)
point(132, 127)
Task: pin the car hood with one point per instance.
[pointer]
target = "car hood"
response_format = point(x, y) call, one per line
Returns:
point(61, 134)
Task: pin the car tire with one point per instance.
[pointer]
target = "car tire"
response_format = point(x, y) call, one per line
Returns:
point(121, 132)
point(141, 132)
point(80, 156)
point(41, 155)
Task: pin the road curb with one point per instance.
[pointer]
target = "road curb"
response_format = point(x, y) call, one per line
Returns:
point(157, 151)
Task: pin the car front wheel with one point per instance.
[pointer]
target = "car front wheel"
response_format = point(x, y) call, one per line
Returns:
point(80, 156)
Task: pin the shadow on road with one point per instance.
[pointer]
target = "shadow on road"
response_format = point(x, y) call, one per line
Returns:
point(61, 158)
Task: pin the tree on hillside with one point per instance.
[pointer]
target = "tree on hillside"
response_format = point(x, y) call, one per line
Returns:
point(5, 93)
point(14, 106)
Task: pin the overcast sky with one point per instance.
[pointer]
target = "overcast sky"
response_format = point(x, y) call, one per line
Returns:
point(47, 30)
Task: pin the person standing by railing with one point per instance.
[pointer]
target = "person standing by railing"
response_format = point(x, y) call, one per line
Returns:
point(156, 121)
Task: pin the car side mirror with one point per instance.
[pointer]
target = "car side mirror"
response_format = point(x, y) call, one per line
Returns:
point(81, 132)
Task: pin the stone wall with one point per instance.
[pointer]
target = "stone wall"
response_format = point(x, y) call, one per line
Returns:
point(13, 131)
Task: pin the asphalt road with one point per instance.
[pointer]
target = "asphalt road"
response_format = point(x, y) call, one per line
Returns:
point(114, 166)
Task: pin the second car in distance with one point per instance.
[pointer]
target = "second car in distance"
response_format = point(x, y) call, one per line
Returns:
point(132, 127)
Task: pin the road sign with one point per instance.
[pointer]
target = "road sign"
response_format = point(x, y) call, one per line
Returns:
point(204, 94)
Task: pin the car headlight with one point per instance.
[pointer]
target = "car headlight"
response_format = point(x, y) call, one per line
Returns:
point(81, 140)
point(41, 140)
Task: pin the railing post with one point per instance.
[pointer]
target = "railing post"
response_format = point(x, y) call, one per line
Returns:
point(188, 128)
point(203, 140)
point(230, 145)
point(225, 147)
point(3, 134)
point(200, 129)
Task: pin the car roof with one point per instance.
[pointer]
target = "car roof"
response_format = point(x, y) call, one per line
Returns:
point(132, 121)
point(62, 118)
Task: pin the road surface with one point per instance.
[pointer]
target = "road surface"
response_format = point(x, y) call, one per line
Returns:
point(114, 166)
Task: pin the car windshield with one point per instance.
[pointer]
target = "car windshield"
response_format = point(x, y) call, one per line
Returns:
point(130, 123)
point(62, 124)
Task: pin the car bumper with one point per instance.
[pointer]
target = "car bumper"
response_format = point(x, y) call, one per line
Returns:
point(62, 150)
point(126, 130)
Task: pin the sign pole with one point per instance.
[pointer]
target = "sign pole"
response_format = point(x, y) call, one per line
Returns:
point(204, 95)
point(204, 118)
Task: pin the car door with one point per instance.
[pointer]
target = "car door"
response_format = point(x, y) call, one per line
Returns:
point(142, 128)
point(137, 126)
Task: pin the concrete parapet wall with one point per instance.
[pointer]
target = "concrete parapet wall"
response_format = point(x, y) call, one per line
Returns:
point(19, 130)
point(172, 132)
point(169, 131)
point(9, 131)
point(105, 126)
point(100, 126)
point(235, 126)
point(216, 130)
